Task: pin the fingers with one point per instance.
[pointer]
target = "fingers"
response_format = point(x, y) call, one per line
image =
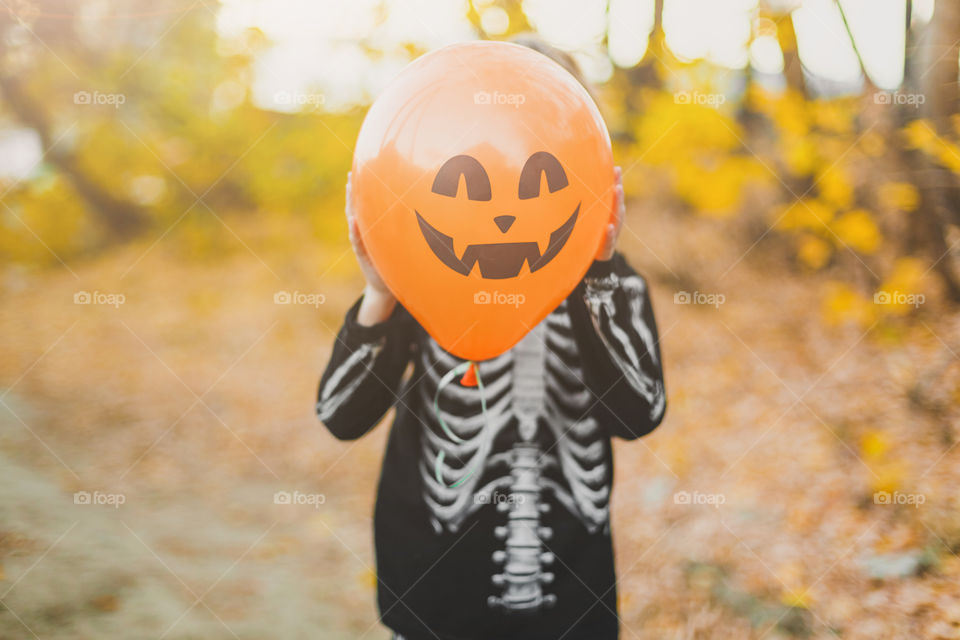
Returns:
point(359, 249)
point(353, 229)
point(621, 209)
point(348, 190)
point(616, 219)
point(609, 243)
point(618, 184)
point(355, 239)
point(621, 206)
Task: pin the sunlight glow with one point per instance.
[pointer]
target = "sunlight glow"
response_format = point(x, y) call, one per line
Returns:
point(630, 24)
point(823, 44)
point(318, 52)
point(922, 11)
point(569, 24)
point(318, 48)
point(879, 27)
point(716, 31)
point(495, 21)
point(765, 55)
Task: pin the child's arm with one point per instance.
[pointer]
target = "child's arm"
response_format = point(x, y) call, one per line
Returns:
point(363, 376)
point(614, 323)
point(370, 354)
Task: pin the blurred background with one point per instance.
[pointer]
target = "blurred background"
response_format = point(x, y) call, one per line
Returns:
point(175, 266)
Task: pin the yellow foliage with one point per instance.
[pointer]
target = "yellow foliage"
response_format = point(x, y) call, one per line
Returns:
point(899, 195)
point(800, 155)
point(834, 116)
point(904, 287)
point(814, 252)
point(874, 445)
point(921, 135)
point(793, 593)
point(949, 155)
point(700, 146)
point(787, 110)
point(799, 598)
point(809, 214)
point(716, 191)
point(842, 305)
point(888, 476)
point(667, 130)
point(887, 473)
point(857, 230)
point(908, 273)
point(30, 231)
point(835, 186)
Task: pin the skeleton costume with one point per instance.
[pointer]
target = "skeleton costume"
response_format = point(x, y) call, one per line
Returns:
point(508, 535)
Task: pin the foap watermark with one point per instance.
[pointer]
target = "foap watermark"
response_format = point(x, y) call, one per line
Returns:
point(897, 498)
point(698, 297)
point(99, 297)
point(499, 98)
point(899, 298)
point(297, 498)
point(899, 98)
point(300, 99)
point(499, 297)
point(99, 498)
point(498, 498)
point(311, 299)
point(712, 499)
point(99, 98)
point(696, 97)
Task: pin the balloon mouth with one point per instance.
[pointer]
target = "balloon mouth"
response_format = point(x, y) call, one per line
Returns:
point(497, 260)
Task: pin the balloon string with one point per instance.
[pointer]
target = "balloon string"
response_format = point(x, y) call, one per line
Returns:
point(441, 456)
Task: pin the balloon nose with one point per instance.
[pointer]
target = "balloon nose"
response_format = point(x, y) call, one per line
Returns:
point(504, 222)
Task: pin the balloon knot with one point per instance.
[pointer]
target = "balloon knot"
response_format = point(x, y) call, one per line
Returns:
point(469, 378)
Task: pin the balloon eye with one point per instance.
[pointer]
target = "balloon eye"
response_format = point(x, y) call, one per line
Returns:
point(447, 181)
point(541, 163)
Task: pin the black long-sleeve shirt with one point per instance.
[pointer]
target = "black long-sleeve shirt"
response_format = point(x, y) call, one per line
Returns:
point(503, 531)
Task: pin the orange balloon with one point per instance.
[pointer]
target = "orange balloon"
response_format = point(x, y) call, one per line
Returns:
point(482, 184)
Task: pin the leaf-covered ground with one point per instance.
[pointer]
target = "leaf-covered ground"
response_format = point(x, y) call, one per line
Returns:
point(755, 511)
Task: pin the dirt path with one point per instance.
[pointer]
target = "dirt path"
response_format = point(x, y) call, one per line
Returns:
point(748, 514)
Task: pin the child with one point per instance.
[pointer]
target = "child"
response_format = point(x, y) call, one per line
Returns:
point(504, 532)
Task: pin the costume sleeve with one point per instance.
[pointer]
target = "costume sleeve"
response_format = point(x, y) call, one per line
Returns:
point(613, 320)
point(363, 376)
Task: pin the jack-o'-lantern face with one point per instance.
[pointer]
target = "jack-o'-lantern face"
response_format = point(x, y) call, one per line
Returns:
point(498, 260)
point(482, 184)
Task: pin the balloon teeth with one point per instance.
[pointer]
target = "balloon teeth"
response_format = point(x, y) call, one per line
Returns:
point(458, 248)
point(496, 260)
point(542, 247)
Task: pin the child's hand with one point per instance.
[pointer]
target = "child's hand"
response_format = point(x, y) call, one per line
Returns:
point(613, 228)
point(378, 301)
point(374, 281)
